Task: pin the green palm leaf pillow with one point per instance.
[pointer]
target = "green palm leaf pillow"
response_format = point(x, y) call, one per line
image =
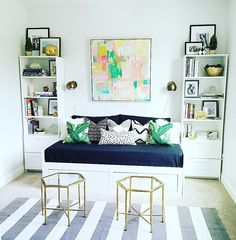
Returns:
point(78, 133)
point(160, 132)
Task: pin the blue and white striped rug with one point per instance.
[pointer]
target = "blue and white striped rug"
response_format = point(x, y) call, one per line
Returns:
point(22, 220)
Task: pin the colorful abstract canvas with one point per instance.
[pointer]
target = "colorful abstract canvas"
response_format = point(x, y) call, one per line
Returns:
point(121, 69)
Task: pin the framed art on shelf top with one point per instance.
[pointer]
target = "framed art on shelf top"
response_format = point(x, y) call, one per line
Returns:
point(34, 34)
point(202, 33)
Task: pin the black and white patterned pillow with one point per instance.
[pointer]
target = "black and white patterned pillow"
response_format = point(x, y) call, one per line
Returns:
point(94, 131)
point(122, 138)
point(141, 132)
point(123, 127)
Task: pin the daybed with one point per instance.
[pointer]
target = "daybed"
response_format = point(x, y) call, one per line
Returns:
point(102, 165)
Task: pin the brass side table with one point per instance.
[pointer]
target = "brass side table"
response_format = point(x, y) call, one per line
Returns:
point(127, 185)
point(63, 181)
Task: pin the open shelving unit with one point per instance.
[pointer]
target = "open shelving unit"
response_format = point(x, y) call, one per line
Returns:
point(35, 142)
point(203, 155)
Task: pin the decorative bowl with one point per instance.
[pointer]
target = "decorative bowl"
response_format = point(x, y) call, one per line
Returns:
point(214, 70)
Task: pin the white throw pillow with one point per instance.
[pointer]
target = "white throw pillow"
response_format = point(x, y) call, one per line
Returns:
point(123, 127)
point(122, 138)
point(64, 132)
point(141, 132)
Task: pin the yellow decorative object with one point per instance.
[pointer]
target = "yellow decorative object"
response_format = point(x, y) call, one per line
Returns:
point(214, 71)
point(51, 50)
point(201, 115)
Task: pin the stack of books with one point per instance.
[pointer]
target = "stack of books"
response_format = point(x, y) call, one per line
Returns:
point(188, 131)
point(32, 72)
point(32, 126)
point(31, 107)
point(43, 94)
point(189, 110)
point(191, 67)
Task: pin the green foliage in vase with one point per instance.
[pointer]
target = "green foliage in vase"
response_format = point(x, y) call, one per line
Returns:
point(28, 45)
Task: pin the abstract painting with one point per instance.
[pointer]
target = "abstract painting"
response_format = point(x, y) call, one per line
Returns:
point(121, 69)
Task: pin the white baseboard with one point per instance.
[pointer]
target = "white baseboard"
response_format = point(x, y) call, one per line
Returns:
point(229, 189)
point(5, 179)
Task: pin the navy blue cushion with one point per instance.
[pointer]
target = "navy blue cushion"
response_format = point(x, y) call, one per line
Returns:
point(139, 155)
point(140, 119)
point(97, 119)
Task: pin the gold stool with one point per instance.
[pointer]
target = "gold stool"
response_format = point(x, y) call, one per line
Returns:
point(127, 185)
point(62, 181)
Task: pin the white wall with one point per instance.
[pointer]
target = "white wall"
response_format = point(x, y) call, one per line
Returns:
point(166, 22)
point(12, 30)
point(229, 164)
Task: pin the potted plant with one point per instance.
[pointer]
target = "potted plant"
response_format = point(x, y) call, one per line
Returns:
point(28, 47)
point(213, 44)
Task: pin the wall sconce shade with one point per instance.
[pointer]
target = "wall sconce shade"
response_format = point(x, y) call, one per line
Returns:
point(71, 85)
point(171, 86)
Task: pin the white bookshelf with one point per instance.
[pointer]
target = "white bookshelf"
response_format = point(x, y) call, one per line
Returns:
point(35, 143)
point(203, 156)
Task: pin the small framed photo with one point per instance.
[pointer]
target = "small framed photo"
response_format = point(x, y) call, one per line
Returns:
point(212, 135)
point(202, 33)
point(55, 42)
point(211, 108)
point(35, 34)
point(52, 106)
point(192, 48)
point(191, 89)
point(52, 68)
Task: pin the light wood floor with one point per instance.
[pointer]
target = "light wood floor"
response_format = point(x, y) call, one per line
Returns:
point(198, 192)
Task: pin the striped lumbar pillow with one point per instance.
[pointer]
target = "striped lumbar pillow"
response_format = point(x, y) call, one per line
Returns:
point(141, 132)
point(94, 131)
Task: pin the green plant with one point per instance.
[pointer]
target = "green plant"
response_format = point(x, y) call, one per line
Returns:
point(28, 45)
point(213, 43)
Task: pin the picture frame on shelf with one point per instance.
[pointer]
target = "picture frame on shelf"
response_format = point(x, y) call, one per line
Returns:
point(202, 33)
point(193, 48)
point(35, 34)
point(53, 44)
point(211, 108)
point(52, 68)
point(212, 135)
point(191, 89)
point(52, 106)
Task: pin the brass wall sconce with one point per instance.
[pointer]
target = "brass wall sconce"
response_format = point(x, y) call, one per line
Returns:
point(71, 85)
point(171, 86)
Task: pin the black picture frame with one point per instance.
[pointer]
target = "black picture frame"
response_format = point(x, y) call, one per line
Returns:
point(197, 46)
point(52, 68)
point(202, 33)
point(212, 112)
point(191, 91)
point(49, 40)
point(35, 34)
point(52, 106)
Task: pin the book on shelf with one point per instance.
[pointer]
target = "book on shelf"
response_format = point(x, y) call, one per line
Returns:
point(32, 125)
point(191, 67)
point(31, 106)
point(188, 130)
point(189, 111)
point(32, 72)
point(43, 94)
